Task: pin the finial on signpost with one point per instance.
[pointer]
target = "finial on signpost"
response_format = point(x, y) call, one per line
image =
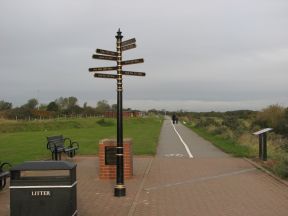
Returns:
point(119, 34)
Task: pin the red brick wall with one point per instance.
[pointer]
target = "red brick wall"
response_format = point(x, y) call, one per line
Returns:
point(109, 171)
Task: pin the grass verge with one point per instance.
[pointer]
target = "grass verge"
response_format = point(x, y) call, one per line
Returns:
point(227, 145)
point(22, 141)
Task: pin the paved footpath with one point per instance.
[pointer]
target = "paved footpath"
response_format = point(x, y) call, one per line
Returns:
point(188, 176)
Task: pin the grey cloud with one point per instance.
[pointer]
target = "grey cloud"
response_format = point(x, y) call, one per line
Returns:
point(194, 50)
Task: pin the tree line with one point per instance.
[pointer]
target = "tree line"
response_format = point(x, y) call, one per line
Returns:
point(62, 106)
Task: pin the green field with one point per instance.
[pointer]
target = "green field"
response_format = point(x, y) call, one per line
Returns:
point(26, 140)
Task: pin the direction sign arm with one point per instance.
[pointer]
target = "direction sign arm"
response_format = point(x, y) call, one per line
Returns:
point(106, 52)
point(134, 61)
point(102, 69)
point(104, 57)
point(128, 47)
point(100, 75)
point(127, 42)
point(132, 73)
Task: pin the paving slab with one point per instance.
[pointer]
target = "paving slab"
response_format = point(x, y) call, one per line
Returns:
point(178, 186)
point(96, 196)
point(210, 187)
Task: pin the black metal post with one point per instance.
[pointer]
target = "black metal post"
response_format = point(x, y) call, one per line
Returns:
point(264, 147)
point(119, 189)
point(260, 146)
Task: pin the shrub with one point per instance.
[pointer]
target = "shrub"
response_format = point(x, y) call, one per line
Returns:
point(231, 122)
point(105, 123)
point(281, 167)
point(206, 122)
point(270, 116)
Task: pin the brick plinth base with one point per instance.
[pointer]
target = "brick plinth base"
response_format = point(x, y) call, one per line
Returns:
point(109, 171)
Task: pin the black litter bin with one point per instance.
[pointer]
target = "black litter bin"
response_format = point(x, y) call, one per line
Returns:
point(43, 188)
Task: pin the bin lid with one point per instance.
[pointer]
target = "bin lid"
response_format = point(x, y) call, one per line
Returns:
point(44, 165)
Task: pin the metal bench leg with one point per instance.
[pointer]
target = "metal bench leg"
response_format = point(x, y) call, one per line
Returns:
point(55, 154)
point(3, 183)
point(71, 154)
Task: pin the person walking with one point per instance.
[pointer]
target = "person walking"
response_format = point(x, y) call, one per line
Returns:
point(174, 118)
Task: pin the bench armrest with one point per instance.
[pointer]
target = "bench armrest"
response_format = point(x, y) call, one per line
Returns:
point(74, 143)
point(69, 140)
point(71, 144)
point(48, 145)
point(4, 164)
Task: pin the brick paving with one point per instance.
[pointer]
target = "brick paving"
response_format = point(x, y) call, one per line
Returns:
point(178, 186)
point(210, 187)
point(95, 196)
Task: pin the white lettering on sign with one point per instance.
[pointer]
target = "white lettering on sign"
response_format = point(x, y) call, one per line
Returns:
point(41, 193)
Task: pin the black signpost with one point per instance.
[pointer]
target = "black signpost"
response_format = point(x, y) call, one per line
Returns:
point(119, 189)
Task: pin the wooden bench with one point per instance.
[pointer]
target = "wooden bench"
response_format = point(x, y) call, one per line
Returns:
point(56, 144)
point(3, 174)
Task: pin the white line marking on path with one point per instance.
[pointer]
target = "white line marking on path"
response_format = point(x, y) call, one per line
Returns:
point(201, 179)
point(174, 155)
point(185, 145)
point(135, 201)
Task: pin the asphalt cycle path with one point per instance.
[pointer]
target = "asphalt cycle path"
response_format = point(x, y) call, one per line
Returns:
point(176, 140)
point(169, 144)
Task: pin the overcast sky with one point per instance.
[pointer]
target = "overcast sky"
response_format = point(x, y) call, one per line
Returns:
point(199, 55)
